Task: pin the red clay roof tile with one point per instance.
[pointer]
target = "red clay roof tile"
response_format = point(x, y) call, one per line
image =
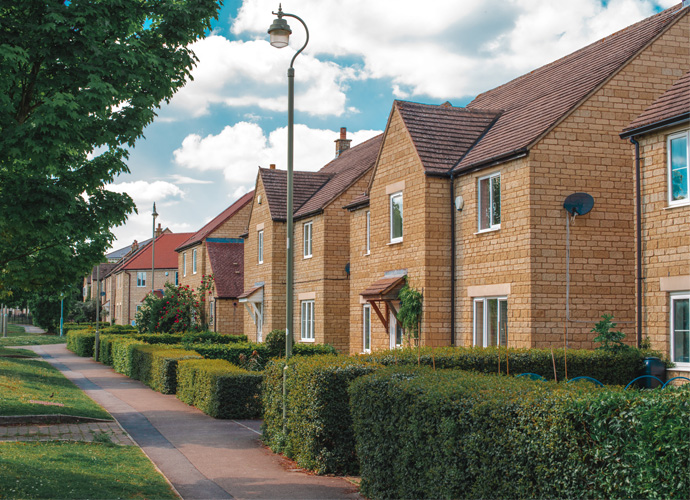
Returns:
point(166, 257)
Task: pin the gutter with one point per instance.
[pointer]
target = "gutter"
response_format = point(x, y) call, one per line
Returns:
point(669, 122)
point(638, 230)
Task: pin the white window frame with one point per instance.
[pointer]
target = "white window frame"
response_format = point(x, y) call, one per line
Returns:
point(177, 278)
point(394, 326)
point(368, 232)
point(686, 200)
point(184, 264)
point(307, 240)
point(491, 226)
point(484, 341)
point(685, 366)
point(260, 246)
point(307, 321)
point(194, 261)
point(366, 328)
point(396, 239)
point(141, 279)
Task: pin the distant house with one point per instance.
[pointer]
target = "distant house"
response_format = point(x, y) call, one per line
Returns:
point(217, 248)
point(662, 162)
point(131, 279)
point(321, 247)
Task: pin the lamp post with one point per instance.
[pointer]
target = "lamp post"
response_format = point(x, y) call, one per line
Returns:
point(280, 35)
point(153, 245)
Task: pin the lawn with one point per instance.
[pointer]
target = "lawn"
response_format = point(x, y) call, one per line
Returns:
point(33, 387)
point(78, 470)
point(17, 336)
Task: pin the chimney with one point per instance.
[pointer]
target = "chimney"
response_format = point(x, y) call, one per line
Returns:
point(272, 166)
point(159, 230)
point(135, 246)
point(446, 104)
point(343, 143)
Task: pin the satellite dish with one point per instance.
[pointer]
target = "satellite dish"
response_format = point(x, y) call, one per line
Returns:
point(578, 203)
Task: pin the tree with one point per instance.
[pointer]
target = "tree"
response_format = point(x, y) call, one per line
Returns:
point(80, 80)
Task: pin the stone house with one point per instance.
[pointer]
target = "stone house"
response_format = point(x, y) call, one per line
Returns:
point(225, 261)
point(661, 135)
point(321, 247)
point(131, 279)
point(468, 203)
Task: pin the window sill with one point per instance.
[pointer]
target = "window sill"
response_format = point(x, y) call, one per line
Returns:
point(680, 367)
point(308, 257)
point(678, 205)
point(310, 341)
point(490, 230)
point(398, 242)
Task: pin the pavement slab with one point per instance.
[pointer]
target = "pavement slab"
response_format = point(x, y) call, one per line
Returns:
point(202, 457)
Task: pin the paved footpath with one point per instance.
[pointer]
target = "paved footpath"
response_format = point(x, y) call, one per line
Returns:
point(203, 458)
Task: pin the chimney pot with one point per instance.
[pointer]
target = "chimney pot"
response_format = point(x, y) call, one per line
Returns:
point(343, 132)
point(343, 143)
point(272, 166)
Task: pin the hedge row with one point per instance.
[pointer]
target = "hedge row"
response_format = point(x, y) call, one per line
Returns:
point(190, 337)
point(156, 366)
point(318, 431)
point(605, 366)
point(234, 352)
point(81, 341)
point(219, 388)
point(454, 434)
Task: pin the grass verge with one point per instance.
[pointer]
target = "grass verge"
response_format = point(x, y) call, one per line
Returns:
point(32, 387)
point(10, 353)
point(17, 336)
point(78, 470)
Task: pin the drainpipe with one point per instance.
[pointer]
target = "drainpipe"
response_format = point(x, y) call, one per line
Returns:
point(452, 260)
point(638, 224)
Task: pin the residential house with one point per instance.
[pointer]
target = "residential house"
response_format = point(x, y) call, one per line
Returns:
point(132, 277)
point(217, 248)
point(661, 135)
point(468, 203)
point(321, 247)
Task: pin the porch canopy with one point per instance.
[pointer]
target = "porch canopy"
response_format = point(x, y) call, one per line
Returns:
point(384, 291)
point(252, 299)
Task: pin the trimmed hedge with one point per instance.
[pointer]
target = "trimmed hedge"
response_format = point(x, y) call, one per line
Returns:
point(219, 388)
point(81, 342)
point(454, 434)
point(190, 337)
point(318, 432)
point(605, 366)
point(156, 365)
point(122, 354)
point(232, 352)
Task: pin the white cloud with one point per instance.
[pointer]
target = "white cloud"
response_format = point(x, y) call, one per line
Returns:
point(238, 150)
point(181, 179)
point(446, 50)
point(142, 191)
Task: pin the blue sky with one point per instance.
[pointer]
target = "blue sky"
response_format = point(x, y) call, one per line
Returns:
point(203, 150)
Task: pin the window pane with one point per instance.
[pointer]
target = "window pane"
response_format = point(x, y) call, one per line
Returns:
point(496, 200)
point(396, 217)
point(484, 204)
point(679, 168)
point(503, 322)
point(681, 330)
point(479, 322)
point(492, 321)
point(367, 328)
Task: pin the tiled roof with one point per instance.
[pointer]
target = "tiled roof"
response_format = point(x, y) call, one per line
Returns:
point(535, 102)
point(202, 233)
point(251, 291)
point(305, 185)
point(443, 134)
point(166, 257)
point(345, 170)
point(105, 268)
point(227, 263)
point(360, 201)
point(385, 286)
point(673, 103)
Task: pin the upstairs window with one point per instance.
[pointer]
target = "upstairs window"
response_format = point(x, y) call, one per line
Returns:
point(141, 278)
point(260, 246)
point(490, 202)
point(194, 261)
point(396, 217)
point(177, 278)
point(308, 227)
point(678, 161)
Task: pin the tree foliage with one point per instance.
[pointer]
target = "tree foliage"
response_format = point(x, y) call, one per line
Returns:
point(80, 80)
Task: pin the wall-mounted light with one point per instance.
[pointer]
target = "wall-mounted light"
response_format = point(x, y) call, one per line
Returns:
point(459, 203)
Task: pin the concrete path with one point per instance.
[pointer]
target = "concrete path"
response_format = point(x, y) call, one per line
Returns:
point(203, 458)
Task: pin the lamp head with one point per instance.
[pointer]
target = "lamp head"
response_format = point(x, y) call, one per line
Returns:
point(154, 210)
point(280, 30)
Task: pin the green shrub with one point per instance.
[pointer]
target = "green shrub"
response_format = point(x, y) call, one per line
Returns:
point(313, 349)
point(454, 434)
point(156, 366)
point(122, 352)
point(190, 338)
point(219, 388)
point(81, 342)
point(318, 432)
point(232, 352)
point(616, 368)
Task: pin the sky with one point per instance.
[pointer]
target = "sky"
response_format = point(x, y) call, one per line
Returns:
point(203, 150)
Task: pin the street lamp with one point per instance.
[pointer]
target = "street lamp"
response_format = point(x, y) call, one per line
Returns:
point(153, 245)
point(280, 34)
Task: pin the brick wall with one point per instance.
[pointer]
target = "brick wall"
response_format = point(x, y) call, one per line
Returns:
point(129, 295)
point(229, 318)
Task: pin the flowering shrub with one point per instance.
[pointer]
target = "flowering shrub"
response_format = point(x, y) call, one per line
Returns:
point(181, 309)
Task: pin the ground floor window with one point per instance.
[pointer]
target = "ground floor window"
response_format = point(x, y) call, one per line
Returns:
point(680, 328)
point(308, 320)
point(366, 315)
point(396, 332)
point(491, 321)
